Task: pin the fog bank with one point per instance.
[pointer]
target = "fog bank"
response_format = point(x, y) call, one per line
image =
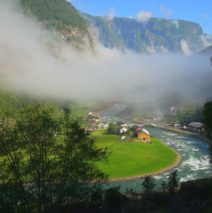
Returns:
point(39, 63)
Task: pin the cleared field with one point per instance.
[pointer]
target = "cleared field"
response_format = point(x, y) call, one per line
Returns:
point(131, 159)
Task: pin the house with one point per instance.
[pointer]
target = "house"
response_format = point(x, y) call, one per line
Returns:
point(177, 124)
point(123, 130)
point(92, 121)
point(197, 127)
point(103, 125)
point(144, 136)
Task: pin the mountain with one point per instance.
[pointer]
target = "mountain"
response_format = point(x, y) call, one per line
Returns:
point(156, 35)
point(207, 51)
point(61, 16)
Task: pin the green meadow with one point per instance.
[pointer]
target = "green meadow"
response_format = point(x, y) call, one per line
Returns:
point(131, 159)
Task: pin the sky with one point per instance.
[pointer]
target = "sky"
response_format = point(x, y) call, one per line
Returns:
point(199, 11)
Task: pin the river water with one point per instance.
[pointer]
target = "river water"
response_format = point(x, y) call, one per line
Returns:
point(195, 160)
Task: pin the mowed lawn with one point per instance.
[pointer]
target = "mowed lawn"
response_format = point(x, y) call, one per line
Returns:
point(128, 159)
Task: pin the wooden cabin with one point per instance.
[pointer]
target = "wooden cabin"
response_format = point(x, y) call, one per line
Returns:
point(144, 136)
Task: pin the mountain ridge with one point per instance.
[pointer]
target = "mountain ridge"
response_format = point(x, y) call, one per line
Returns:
point(61, 16)
point(155, 35)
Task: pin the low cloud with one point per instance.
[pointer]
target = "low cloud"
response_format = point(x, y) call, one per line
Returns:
point(144, 16)
point(39, 63)
point(185, 47)
point(176, 23)
point(206, 40)
point(111, 14)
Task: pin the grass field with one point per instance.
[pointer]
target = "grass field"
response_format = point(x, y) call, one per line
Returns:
point(130, 159)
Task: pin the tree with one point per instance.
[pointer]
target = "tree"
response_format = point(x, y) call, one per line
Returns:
point(164, 186)
point(46, 160)
point(148, 185)
point(112, 128)
point(173, 182)
point(208, 117)
point(208, 122)
point(114, 200)
point(77, 154)
point(12, 177)
point(37, 129)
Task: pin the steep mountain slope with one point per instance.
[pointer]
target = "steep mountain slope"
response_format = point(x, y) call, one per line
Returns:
point(156, 35)
point(207, 51)
point(62, 16)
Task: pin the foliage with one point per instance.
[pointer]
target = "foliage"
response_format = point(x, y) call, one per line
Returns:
point(208, 114)
point(112, 128)
point(46, 160)
point(114, 200)
point(173, 182)
point(148, 184)
point(59, 15)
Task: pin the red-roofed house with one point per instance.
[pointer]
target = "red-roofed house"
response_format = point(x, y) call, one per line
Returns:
point(144, 136)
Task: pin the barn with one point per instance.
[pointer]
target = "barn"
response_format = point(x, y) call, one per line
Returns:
point(144, 136)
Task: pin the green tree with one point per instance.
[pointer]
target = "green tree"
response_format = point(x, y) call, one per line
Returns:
point(173, 182)
point(12, 177)
point(37, 130)
point(208, 122)
point(148, 185)
point(208, 117)
point(112, 128)
point(114, 200)
point(163, 186)
point(77, 154)
point(46, 160)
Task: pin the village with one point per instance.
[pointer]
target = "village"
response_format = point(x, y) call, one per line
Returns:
point(127, 132)
point(132, 131)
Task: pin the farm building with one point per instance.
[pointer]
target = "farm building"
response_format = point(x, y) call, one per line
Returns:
point(197, 127)
point(144, 136)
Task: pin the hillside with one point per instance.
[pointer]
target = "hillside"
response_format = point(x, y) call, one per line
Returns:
point(62, 16)
point(156, 35)
point(207, 51)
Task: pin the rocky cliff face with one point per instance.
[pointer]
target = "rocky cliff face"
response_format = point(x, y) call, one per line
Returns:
point(63, 17)
point(156, 35)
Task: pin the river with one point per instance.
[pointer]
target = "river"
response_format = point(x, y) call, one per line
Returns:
point(195, 160)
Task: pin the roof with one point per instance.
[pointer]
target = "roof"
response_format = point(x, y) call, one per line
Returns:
point(196, 124)
point(146, 131)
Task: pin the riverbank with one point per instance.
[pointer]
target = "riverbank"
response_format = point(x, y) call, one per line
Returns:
point(182, 132)
point(134, 160)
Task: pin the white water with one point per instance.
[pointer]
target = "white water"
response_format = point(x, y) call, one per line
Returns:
point(195, 160)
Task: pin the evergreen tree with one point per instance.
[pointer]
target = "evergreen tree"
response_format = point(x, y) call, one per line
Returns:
point(148, 184)
point(173, 182)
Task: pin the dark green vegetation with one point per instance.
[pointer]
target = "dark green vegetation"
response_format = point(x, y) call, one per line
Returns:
point(128, 159)
point(156, 34)
point(193, 196)
point(47, 159)
point(47, 162)
point(185, 115)
point(208, 122)
point(62, 16)
point(208, 115)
